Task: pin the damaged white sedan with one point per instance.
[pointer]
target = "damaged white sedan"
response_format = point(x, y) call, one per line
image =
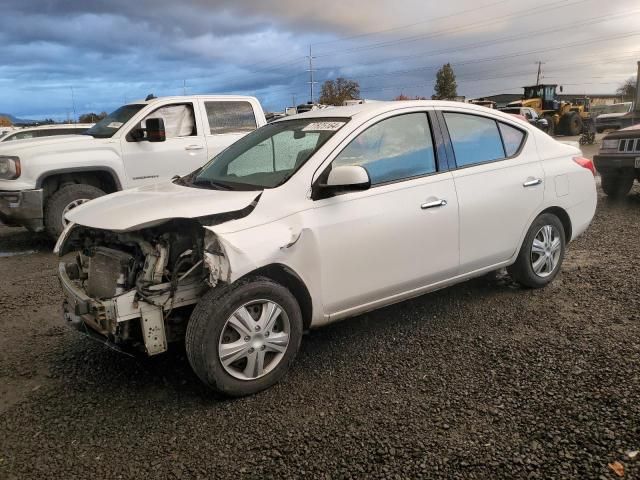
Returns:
point(317, 218)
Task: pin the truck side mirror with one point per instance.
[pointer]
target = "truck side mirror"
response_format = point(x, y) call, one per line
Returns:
point(155, 130)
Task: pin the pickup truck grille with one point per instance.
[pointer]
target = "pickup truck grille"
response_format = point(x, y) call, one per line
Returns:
point(629, 145)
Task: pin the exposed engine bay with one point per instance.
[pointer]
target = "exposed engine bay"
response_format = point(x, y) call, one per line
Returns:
point(135, 288)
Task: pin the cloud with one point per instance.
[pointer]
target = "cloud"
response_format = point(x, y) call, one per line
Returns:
point(115, 51)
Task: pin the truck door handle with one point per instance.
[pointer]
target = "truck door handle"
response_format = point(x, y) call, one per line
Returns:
point(532, 183)
point(193, 147)
point(434, 204)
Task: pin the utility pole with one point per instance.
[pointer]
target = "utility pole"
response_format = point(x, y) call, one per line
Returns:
point(184, 87)
point(73, 104)
point(293, 99)
point(539, 72)
point(311, 70)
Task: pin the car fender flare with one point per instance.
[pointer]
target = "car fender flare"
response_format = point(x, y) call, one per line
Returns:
point(559, 212)
point(58, 171)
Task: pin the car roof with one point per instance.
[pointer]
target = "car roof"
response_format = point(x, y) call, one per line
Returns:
point(372, 109)
point(185, 98)
point(55, 125)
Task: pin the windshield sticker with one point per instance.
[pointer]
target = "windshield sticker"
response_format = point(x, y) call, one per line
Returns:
point(115, 125)
point(322, 126)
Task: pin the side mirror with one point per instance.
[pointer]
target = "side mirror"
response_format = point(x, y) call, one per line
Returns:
point(155, 130)
point(542, 122)
point(347, 178)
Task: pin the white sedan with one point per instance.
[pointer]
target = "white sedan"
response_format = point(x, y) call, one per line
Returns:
point(317, 218)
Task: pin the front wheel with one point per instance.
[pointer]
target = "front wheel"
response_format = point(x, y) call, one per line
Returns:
point(242, 338)
point(63, 201)
point(541, 254)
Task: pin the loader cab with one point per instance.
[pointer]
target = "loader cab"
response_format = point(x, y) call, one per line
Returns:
point(546, 94)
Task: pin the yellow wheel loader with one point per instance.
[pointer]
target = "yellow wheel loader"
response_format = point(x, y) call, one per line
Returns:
point(564, 118)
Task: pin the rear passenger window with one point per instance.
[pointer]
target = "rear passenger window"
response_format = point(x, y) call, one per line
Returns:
point(393, 149)
point(475, 139)
point(511, 137)
point(230, 117)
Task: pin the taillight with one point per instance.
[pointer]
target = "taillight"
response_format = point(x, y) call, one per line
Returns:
point(585, 163)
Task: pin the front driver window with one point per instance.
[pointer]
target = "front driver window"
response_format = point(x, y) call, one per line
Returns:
point(393, 149)
point(178, 120)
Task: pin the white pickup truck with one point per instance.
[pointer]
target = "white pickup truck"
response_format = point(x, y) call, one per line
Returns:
point(143, 142)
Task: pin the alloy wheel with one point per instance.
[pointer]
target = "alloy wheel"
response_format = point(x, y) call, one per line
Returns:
point(71, 206)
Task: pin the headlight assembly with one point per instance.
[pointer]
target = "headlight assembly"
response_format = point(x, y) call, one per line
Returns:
point(610, 144)
point(9, 168)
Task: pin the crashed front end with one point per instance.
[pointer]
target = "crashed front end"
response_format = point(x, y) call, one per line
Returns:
point(136, 289)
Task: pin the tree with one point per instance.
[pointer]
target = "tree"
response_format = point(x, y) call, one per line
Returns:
point(5, 122)
point(446, 86)
point(628, 89)
point(91, 117)
point(335, 92)
point(402, 96)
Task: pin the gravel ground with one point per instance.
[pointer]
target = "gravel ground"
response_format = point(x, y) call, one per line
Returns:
point(482, 380)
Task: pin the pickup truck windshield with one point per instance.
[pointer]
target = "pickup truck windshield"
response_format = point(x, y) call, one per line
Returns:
point(267, 157)
point(110, 124)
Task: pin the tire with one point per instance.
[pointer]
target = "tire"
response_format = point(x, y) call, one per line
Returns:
point(208, 330)
point(63, 200)
point(617, 186)
point(551, 125)
point(526, 269)
point(570, 124)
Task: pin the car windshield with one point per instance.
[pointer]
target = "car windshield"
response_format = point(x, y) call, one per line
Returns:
point(617, 108)
point(267, 157)
point(110, 124)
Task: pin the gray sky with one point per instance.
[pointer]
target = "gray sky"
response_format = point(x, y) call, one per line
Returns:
point(112, 51)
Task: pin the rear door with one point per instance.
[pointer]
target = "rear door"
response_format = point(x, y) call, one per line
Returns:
point(183, 151)
point(499, 181)
point(226, 121)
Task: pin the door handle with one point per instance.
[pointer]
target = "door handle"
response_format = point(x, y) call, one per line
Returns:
point(434, 204)
point(532, 183)
point(193, 147)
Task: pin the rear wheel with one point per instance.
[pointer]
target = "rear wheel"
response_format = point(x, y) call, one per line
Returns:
point(550, 124)
point(63, 201)
point(241, 339)
point(617, 186)
point(541, 254)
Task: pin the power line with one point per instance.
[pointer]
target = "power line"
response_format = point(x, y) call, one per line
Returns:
point(526, 35)
point(410, 25)
point(475, 76)
point(506, 56)
point(536, 10)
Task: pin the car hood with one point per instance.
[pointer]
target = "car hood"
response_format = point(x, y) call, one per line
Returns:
point(154, 204)
point(629, 132)
point(55, 143)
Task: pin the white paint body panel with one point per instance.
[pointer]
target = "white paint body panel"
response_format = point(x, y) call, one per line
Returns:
point(132, 163)
point(362, 250)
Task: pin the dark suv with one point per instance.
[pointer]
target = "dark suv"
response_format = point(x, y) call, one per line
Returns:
point(618, 161)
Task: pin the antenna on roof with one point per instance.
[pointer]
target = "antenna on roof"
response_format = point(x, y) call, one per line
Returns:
point(151, 96)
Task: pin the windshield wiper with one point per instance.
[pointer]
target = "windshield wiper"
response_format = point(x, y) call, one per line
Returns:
point(203, 182)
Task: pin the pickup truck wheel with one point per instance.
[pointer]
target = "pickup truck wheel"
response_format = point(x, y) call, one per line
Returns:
point(63, 201)
point(541, 254)
point(617, 186)
point(242, 338)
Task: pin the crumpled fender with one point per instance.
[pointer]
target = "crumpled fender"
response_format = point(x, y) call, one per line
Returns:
point(230, 256)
